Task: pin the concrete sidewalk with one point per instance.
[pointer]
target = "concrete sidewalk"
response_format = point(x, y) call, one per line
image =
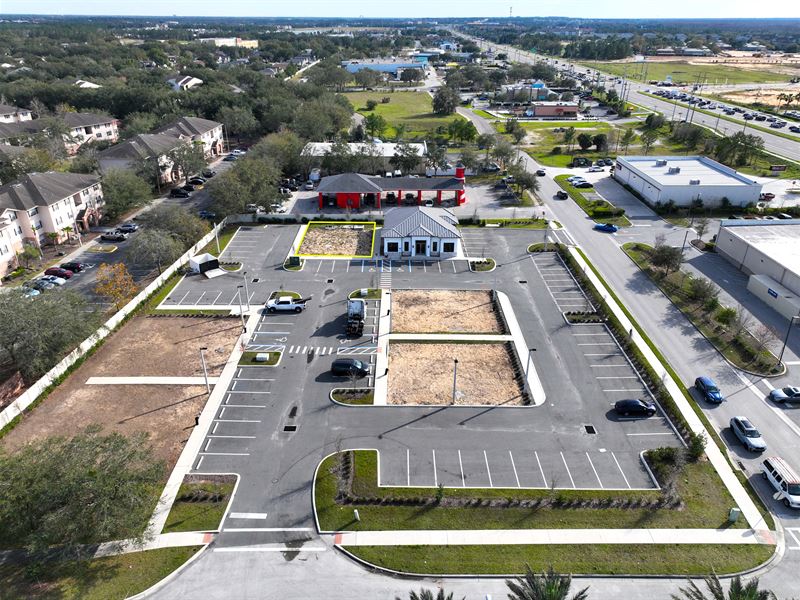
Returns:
point(164, 540)
point(530, 375)
point(482, 537)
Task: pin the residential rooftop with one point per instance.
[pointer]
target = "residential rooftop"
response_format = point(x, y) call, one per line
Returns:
point(43, 189)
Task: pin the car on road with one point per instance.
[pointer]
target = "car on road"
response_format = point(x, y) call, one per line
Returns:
point(286, 304)
point(794, 129)
point(114, 236)
point(783, 480)
point(208, 173)
point(59, 272)
point(606, 227)
point(635, 407)
point(178, 193)
point(238, 152)
point(743, 429)
point(562, 195)
point(709, 390)
point(349, 367)
point(75, 267)
point(595, 169)
point(230, 158)
point(198, 182)
point(787, 394)
point(540, 172)
point(128, 227)
point(55, 280)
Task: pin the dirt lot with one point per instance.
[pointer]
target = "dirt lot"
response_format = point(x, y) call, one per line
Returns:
point(444, 311)
point(167, 346)
point(766, 96)
point(423, 374)
point(338, 240)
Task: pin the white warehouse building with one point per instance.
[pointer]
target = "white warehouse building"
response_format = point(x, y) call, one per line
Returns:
point(685, 179)
point(769, 252)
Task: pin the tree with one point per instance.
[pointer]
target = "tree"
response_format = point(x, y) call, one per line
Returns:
point(406, 158)
point(238, 121)
point(666, 257)
point(115, 283)
point(627, 139)
point(740, 322)
point(411, 75)
point(648, 138)
point(503, 152)
point(738, 590)
point(189, 158)
point(701, 226)
point(177, 222)
point(436, 158)
point(338, 158)
point(486, 141)
point(367, 77)
point(547, 586)
point(251, 181)
point(28, 253)
point(54, 237)
point(31, 160)
point(569, 137)
point(765, 336)
point(123, 191)
point(701, 290)
point(654, 121)
point(375, 124)
point(87, 489)
point(399, 131)
point(445, 101)
point(584, 141)
point(33, 335)
point(138, 122)
point(427, 595)
point(153, 247)
point(600, 141)
point(470, 159)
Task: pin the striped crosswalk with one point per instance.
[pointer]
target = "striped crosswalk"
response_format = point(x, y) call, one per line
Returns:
point(355, 351)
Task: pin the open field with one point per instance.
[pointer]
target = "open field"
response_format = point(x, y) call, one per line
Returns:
point(164, 346)
point(422, 374)
point(688, 71)
point(763, 96)
point(412, 109)
point(444, 311)
point(336, 239)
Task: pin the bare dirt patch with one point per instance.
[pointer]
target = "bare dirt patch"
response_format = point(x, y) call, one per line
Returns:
point(444, 311)
point(338, 240)
point(423, 374)
point(164, 346)
point(767, 96)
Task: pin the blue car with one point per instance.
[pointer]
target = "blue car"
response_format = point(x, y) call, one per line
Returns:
point(607, 227)
point(709, 390)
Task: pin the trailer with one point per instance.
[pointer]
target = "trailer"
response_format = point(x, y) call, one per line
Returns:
point(356, 312)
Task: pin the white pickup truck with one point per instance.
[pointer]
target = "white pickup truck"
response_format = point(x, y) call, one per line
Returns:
point(286, 304)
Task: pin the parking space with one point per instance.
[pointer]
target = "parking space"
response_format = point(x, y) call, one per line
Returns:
point(503, 468)
point(380, 266)
point(564, 290)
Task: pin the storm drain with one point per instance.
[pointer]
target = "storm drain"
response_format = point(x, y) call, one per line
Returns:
point(330, 280)
point(590, 429)
point(293, 412)
point(255, 279)
point(523, 281)
point(290, 428)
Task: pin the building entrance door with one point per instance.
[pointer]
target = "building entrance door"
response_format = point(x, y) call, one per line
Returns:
point(421, 247)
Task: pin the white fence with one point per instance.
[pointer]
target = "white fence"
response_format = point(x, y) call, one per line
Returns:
point(34, 391)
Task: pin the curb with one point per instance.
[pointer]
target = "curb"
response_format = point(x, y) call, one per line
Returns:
point(169, 578)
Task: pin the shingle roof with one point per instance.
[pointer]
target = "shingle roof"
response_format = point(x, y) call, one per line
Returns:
point(78, 119)
point(420, 221)
point(356, 183)
point(9, 152)
point(43, 189)
point(19, 129)
point(143, 145)
point(349, 183)
point(8, 109)
point(190, 126)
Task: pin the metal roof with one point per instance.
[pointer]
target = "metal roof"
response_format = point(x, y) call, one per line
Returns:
point(664, 171)
point(420, 221)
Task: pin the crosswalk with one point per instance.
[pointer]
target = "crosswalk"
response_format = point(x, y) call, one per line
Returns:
point(357, 351)
point(386, 275)
point(266, 347)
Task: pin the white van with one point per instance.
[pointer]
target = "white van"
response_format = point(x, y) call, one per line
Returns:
point(783, 480)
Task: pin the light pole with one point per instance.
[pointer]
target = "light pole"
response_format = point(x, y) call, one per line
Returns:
point(205, 371)
point(455, 376)
point(216, 237)
point(241, 312)
point(246, 291)
point(691, 224)
point(786, 338)
point(530, 360)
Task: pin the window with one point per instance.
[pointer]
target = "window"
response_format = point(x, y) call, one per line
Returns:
point(99, 134)
point(392, 246)
point(405, 246)
point(448, 247)
point(33, 211)
point(435, 246)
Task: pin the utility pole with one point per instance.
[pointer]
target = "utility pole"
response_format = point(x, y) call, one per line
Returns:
point(246, 291)
point(455, 377)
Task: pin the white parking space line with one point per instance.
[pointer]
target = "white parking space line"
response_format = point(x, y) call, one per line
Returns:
point(597, 343)
point(439, 264)
point(182, 299)
point(461, 466)
point(625, 390)
point(486, 459)
point(222, 412)
point(233, 437)
point(791, 531)
point(435, 475)
point(595, 470)
point(247, 515)
point(319, 266)
point(214, 301)
point(513, 466)
point(584, 334)
point(225, 453)
point(200, 462)
point(333, 265)
point(237, 421)
point(408, 467)
point(246, 392)
point(215, 428)
point(564, 460)
point(606, 354)
point(609, 366)
point(621, 471)
point(201, 297)
point(616, 376)
point(541, 470)
point(650, 433)
point(245, 405)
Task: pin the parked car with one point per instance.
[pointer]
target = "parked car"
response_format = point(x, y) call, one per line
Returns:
point(595, 169)
point(114, 236)
point(347, 367)
point(75, 267)
point(794, 129)
point(747, 433)
point(783, 480)
point(491, 168)
point(128, 227)
point(767, 196)
point(40, 285)
point(606, 227)
point(198, 182)
point(208, 173)
point(286, 304)
point(309, 185)
point(583, 184)
point(230, 158)
point(635, 407)
point(277, 208)
point(55, 280)
point(31, 292)
point(188, 188)
point(540, 172)
point(787, 394)
point(709, 390)
point(238, 152)
point(59, 272)
point(206, 214)
point(562, 195)
point(178, 193)
point(609, 162)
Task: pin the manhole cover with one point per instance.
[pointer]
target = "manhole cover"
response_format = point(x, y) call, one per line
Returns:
point(255, 279)
point(290, 427)
point(590, 429)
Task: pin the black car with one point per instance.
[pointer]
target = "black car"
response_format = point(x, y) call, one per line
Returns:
point(197, 181)
point(178, 193)
point(540, 173)
point(188, 188)
point(229, 158)
point(114, 236)
point(348, 367)
point(207, 214)
point(128, 227)
point(562, 195)
point(75, 267)
point(635, 407)
point(209, 173)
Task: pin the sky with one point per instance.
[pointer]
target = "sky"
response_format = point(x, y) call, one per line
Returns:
point(411, 8)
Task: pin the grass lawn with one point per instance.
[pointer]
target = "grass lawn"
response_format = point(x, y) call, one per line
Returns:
point(543, 138)
point(412, 109)
point(600, 126)
point(372, 294)
point(567, 558)
point(225, 236)
point(597, 210)
point(486, 264)
point(249, 359)
point(111, 578)
point(676, 287)
point(278, 293)
point(483, 113)
point(199, 506)
point(684, 72)
point(706, 504)
point(357, 396)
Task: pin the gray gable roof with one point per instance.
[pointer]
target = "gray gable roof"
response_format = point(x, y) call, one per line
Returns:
point(81, 119)
point(420, 221)
point(7, 109)
point(43, 189)
point(8, 152)
point(144, 145)
point(349, 183)
point(189, 126)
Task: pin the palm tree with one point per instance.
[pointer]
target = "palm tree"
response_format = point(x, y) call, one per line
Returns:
point(427, 595)
point(738, 591)
point(54, 237)
point(569, 137)
point(547, 586)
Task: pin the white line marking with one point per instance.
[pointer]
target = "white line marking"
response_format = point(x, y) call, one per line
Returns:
point(226, 453)
point(541, 470)
point(486, 459)
point(616, 376)
point(595, 470)
point(272, 549)
point(564, 460)
point(199, 462)
point(237, 421)
point(621, 471)
point(233, 386)
point(435, 476)
point(654, 433)
point(222, 412)
point(247, 515)
point(461, 466)
point(625, 390)
point(605, 354)
point(235, 437)
point(333, 264)
point(513, 466)
point(319, 266)
point(598, 343)
point(215, 428)
point(408, 467)
point(250, 529)
point(246, 392)
point(791, 531)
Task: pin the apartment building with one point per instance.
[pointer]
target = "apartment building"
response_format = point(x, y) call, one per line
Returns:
point(84, 128)
point(198, 131)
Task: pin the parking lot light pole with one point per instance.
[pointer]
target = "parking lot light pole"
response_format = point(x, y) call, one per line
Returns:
point(246, 292)
point(786, 338)
point(241, 313)
point(455, 376)
point(205, 370)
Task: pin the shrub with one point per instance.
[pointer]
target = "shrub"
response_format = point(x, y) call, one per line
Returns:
point(556, 150)
point(697, 445)
point(386, 100)
point(665, 462)
point(371, 104)
point(725, 315)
